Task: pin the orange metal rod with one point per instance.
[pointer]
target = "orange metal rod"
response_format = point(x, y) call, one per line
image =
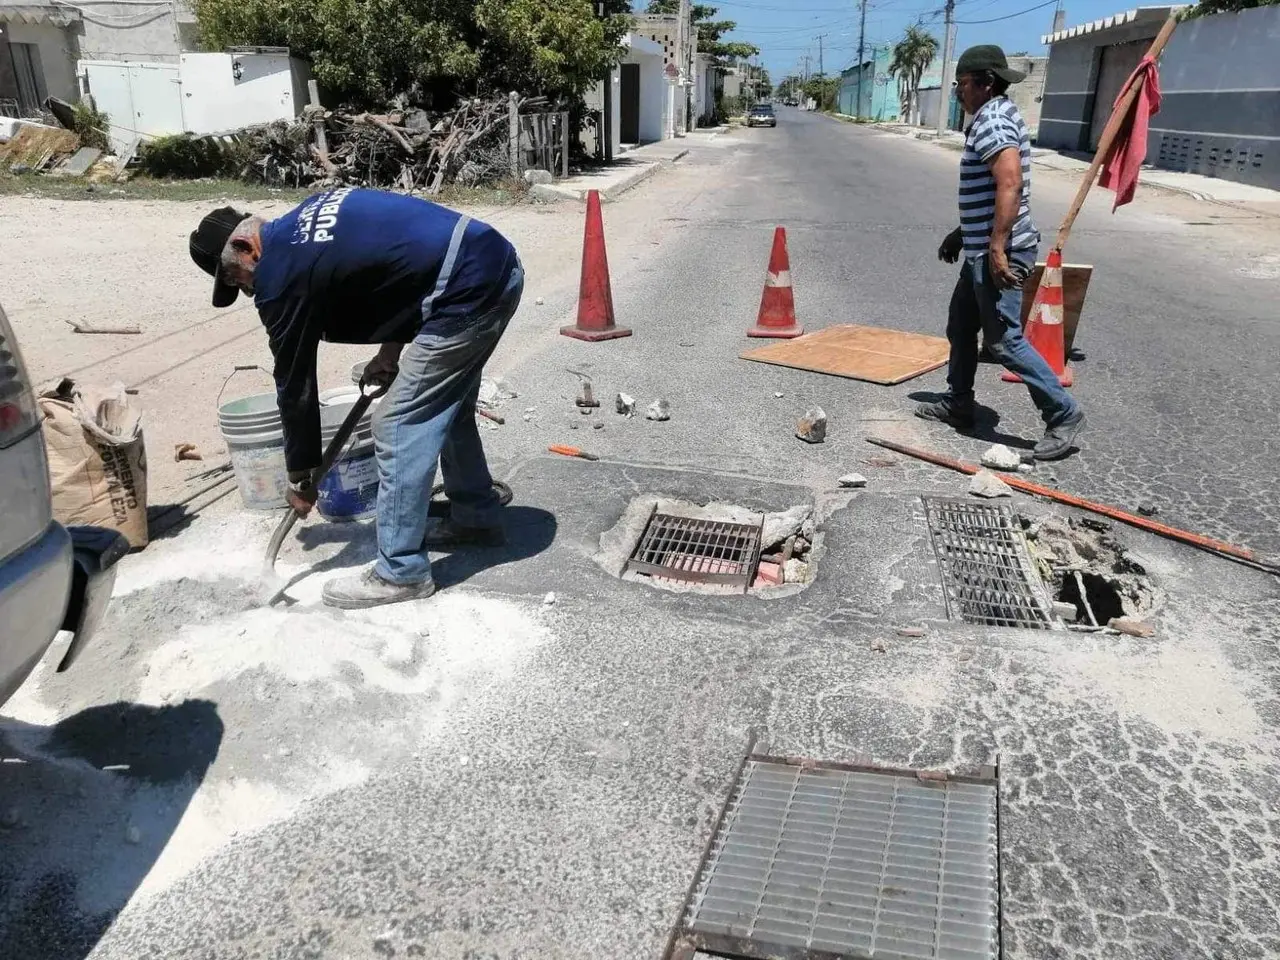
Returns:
point(1071, 500)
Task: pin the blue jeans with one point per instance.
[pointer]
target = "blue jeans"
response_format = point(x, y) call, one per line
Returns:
point(428, 414)
point(978, 304)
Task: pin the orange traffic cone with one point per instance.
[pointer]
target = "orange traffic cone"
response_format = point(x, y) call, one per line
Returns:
point(595, 298)
point(1044, 323)
point(777, 316)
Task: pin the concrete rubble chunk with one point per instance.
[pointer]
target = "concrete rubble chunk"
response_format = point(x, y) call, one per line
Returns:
point(549, 600)
point(795, 571)
point(779, 526)
point(494, 392)
point(538, 175)
point(625, 404)
point(852, 481)
point(1065, 611)
point(1131, 627)
point(1000, 457)
point(812, 427)
point(1148, 509)
point(658, 410)
point(987, 484)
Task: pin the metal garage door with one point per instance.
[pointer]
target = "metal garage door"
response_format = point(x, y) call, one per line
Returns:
point(1118, 61)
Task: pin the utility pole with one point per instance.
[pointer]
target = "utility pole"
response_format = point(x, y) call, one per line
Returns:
point(820, 37)
point(862, 36)
point(807, 58)
point(606, 112)
point(683, 41)
point(948, 44)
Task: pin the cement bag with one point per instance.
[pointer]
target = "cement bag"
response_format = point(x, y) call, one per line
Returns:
point(97, 459)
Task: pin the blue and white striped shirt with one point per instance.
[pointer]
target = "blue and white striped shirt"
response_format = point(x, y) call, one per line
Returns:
point(997, 126)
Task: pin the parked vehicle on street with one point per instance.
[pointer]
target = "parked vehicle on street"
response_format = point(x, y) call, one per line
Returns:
point(52, 578)
point(762, 115)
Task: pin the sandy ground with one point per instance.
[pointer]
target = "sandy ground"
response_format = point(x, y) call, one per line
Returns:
point(126, 261)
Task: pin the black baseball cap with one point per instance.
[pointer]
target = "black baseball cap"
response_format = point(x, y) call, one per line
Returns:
point(207, 243)
point(986, 57)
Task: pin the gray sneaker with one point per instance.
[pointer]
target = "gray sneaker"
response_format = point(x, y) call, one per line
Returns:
point(1060, 440)
point(370, 590)
point(947, 411)
point(447, 535)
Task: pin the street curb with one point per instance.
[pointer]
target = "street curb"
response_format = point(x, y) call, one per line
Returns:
point(551, 193)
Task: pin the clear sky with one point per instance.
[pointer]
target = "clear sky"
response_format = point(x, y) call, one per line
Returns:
point(785, 32)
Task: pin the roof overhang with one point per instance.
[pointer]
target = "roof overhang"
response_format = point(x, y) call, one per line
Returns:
point(1154, 15)
point(35, 14)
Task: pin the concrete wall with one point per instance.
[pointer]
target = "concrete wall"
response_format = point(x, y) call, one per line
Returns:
point(1220, 80)
point(119, 31)
point(1220, 114)
point(878, 91)
point(1072, 80)
point(1028, 95)
point(57, 47)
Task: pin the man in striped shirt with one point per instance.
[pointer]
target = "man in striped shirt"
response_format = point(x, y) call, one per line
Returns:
point(998, 239)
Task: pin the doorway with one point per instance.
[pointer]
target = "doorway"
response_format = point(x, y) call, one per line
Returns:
point(629, 103)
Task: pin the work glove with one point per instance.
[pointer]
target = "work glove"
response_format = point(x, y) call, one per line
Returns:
point(301, 493)
point(951, 245)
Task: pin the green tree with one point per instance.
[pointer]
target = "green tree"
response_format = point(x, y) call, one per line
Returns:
point(709, 31)
point(823, 91)
point(1206, 7)
point(911, 55)
point(431, 50)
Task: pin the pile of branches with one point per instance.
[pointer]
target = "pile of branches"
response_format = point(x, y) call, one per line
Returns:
point(406, 149)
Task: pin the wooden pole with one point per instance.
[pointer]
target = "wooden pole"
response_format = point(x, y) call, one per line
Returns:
point(513, 131)
point(313, 99)
point(1117, 119)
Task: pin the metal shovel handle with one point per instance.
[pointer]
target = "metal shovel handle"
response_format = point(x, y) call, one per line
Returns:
point(331, 454)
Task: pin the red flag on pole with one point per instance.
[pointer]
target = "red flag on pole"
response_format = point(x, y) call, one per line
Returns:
point(1120, 171)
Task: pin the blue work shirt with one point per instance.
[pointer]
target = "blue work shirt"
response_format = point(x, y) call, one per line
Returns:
point(363, 266)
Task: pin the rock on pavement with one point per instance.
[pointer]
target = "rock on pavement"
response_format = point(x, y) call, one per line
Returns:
point(658, 410)
point(1000, 457)
point(812, 427)
point(987, 484)
point(852, 481)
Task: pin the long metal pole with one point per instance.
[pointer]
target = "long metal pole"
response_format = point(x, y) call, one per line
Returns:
point(948, 40)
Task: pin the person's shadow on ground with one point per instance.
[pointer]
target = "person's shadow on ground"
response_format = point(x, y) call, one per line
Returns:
point(986, 423)
point(529, 531)
point(86, 808)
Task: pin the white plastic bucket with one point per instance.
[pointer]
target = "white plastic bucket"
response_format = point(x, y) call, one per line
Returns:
point(255, 440)
point(350, 489)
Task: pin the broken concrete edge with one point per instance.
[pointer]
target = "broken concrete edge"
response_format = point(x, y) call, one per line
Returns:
point(555, 193)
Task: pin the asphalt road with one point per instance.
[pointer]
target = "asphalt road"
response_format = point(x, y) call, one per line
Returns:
point(489, 774)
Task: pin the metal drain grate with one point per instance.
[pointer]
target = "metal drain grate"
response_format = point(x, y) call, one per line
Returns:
point(829, 862)
point(987, 574)
point(697, 551)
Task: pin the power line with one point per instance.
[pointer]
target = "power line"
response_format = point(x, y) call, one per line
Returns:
point(1010, 16)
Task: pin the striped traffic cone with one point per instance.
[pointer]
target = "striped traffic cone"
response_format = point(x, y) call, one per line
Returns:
point(777, 317)
point(1044, 323)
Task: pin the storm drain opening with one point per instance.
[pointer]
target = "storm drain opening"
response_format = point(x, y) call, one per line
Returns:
point(697, 550)
point(712, 547)
point(988, 576)
point(814, 860)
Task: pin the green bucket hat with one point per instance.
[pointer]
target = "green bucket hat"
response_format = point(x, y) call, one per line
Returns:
point(985, 57)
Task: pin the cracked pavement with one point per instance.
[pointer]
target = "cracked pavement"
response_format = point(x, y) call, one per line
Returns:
point(492, 775)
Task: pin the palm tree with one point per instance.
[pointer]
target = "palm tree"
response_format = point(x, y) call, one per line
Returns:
point(911, 55)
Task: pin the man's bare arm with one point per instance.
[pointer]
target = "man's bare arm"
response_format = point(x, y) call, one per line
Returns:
point(1006, 169)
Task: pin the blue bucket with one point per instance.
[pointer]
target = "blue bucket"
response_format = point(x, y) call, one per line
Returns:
point(349, 490)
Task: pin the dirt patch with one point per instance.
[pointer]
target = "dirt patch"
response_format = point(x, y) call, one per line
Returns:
point(1083, 564)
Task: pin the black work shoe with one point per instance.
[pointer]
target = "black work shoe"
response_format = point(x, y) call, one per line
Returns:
point(447, 535)
point(1060, 440)
point(957, 415)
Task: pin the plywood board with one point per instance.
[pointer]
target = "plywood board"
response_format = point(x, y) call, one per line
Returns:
point(876, 354)
point(1075, 284)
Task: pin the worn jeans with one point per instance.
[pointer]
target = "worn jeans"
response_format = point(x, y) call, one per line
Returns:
point(428, 414)
point(978, 304)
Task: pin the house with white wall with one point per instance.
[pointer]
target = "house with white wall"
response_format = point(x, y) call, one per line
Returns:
point(41, 42)
point(638, 94)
